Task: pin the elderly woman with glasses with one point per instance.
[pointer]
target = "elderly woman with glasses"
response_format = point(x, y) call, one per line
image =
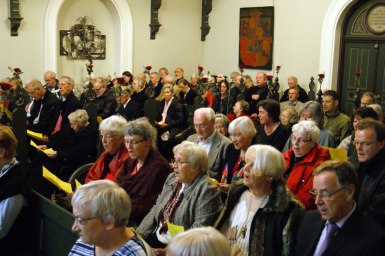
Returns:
point(144, 173)
point(110, 162)
point(242, 132)
point(261, 215)
point(188, 198)
point(301, 160)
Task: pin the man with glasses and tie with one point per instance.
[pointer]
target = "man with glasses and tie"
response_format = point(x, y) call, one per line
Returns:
point(338, 227)
point(369, 141)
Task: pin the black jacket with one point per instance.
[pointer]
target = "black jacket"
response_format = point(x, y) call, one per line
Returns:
point(130, 111)
point(48, 114)
point(274, 227)
point(106, 104)
point(370, 193)
point(302, 95)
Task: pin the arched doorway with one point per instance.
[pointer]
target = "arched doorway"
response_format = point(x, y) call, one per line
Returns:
point(363, 50)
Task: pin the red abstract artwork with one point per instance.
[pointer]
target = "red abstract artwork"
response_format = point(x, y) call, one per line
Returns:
point(256, 37)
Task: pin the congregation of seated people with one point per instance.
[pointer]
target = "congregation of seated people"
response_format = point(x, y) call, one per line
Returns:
point(275, 176)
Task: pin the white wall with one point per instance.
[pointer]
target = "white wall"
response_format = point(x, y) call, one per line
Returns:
point(178, 41)
point(297, 36)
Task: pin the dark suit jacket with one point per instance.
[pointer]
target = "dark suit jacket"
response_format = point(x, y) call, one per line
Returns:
point(302, 95)
point(174, 118)
point(216, 154)
point(190, 97)
point(359, 235)
point(131, 111)
point(48, 114)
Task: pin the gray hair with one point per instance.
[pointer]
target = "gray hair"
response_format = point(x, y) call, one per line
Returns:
point(244, 125)
point(168, 86)
point(197, 156)
point(79, 116)
point(377, 108)
point(114, 124)
point(264, 156)
point(199, 241)
point(207, 112)
point(34, 84)
point(309, 127)
point(293, 114)
point(106, 200)
point(142, 128)
point(50, 74)
point(315, 108)
point(225, 121)
point(69, 80)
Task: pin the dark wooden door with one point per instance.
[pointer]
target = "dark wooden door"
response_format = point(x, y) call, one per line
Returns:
point(362, 57)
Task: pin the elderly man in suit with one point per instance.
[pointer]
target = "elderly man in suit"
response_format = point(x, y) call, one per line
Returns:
point(338, 227)
point(186, 95)
point(208, 138)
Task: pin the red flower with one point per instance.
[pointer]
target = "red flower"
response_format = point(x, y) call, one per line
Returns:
point(204, 79)
point(148, 68)
point(200, 68)
point(120, 80)
point(17, 70)
point(90, 66)
point(241, 67)
point(278, 67)
point(5, 86)
point(357, 74)
point(269, 77)
point(321, 75)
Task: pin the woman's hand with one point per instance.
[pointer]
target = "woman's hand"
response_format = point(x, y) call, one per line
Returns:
point(159, 251)
point(42, 147)
point(52, 155)
point(44, 139)
point(162, 125)
point(224, 186)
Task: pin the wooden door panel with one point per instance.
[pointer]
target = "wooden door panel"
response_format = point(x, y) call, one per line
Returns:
point(357, 57)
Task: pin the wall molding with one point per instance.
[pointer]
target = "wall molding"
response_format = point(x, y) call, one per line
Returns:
point(330, 41)
point(50, 34)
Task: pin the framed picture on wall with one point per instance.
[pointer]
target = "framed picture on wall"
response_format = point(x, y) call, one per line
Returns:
point(256, 31)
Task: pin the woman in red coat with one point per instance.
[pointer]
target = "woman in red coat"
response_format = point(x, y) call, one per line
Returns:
point(302, 159)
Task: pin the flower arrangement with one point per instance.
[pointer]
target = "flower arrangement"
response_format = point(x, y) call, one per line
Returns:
point(89, 66)
point(357, 75)
point(241, 69)
point(16, 72)
point(269, 77)
point(147, 70)
point(200, 69)
point(120, 80)
point(321, 78)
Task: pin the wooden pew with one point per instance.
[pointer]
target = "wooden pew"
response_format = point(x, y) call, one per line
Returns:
point(56, 237)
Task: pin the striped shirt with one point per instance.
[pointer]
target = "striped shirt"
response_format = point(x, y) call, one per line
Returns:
point(133, 247)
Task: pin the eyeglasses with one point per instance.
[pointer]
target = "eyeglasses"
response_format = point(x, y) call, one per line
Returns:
point(133, 142)
point(107, 137)
point(363, 144)
point(324, 196)
point(299, 140)
point(178, 162)
point(83, 221)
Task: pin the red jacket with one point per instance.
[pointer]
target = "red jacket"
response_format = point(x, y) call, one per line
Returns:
point(300, 179)
point(115, 165)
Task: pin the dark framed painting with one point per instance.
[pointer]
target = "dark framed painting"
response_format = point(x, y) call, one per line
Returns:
point(256, 31)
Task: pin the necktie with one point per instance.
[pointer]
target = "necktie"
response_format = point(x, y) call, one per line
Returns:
point(331, 229)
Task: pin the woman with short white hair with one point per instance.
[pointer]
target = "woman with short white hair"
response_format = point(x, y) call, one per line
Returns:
point(109, 163)
point(199, 241)
point(304, 156)
point(188, 198)
point(242, 132)
point(261, 215)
